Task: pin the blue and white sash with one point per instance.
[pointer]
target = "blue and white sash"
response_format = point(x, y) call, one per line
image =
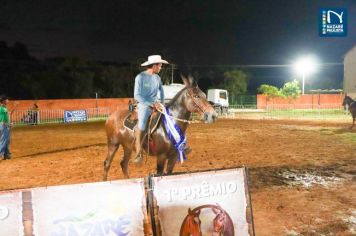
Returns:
point(175, 134)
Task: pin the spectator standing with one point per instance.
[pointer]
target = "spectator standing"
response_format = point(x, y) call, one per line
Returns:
point(34, 114)
point(4, 128)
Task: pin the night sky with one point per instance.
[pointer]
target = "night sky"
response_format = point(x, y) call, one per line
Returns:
point(200, 33)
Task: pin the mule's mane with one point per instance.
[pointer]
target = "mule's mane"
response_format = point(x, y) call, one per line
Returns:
point(349, 98)
point(175, 98)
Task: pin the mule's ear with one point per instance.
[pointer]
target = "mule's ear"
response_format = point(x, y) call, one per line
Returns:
point(216, 210)
point(192, 81)
point(185, 80)
point(189, 211)
point(197, 213)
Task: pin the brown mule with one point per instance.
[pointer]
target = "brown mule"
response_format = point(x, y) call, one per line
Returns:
point(190, 99)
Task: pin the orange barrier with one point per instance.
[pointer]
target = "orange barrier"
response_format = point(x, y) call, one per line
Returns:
point(122, 103)
point(70, 104)
point(310, 99)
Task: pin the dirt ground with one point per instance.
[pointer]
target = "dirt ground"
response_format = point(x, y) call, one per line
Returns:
point(302, 174)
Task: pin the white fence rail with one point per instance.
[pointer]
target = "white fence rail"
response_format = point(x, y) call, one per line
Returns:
point(20, 117)
point(275, 111)
point(307, 111)
point(332, 112)
point(303, 106)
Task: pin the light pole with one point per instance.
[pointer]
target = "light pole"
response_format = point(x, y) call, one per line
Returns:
point(96, 104)
point(305, 66)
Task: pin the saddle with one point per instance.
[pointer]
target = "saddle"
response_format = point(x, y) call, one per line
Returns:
point(131, 119)
point(130, 122)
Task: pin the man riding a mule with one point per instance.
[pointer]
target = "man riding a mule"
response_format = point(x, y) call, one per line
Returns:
point(147, 85)
point(167, 137)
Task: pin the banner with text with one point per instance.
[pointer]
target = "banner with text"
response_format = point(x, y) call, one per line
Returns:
point(75, 116)
point(202, 203)
point(104, 208)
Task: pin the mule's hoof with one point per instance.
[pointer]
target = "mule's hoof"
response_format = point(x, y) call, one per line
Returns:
point(138, 159)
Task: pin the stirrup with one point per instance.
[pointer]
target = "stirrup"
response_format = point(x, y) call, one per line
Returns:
point(138, 159)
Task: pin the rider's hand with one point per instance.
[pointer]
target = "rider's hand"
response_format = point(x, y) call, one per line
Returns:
point(157, 106)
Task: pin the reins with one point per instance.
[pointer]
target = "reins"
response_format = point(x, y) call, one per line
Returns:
point(160, 109)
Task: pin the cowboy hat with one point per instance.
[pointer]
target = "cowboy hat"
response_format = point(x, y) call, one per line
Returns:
point(154, 59)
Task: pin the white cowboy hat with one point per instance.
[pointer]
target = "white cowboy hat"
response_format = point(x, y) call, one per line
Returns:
point(154, 59)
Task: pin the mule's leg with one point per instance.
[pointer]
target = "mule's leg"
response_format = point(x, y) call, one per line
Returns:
point(353, 121)
point(171, 162)
point(161, 162)
point(112, 148)
point(125, 161)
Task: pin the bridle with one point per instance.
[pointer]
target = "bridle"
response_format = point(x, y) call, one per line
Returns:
point(190, 93)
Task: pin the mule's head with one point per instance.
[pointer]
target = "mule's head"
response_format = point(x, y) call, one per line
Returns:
point(219, 220)
point(196, 102)
point(346, 102)
point(193, 223)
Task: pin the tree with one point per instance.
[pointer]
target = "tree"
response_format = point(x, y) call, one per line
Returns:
point(291, 90)
point(235, 81)
point(116, 81)
point(78, 76)
point(269, 90)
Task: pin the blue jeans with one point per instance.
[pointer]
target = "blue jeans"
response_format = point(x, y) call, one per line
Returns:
point(144, 112)
point(5, 141)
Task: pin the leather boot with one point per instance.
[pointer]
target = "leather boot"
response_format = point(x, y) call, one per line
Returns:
point(138, 135)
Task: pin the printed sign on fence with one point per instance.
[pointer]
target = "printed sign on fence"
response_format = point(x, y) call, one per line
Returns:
point(75, 116)
point(105, 208)
point(204, 203)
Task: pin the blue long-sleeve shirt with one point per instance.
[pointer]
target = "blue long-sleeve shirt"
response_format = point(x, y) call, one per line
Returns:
point(147, 87)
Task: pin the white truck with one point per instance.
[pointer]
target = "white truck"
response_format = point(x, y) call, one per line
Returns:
point(219, 98)
point(171, 90)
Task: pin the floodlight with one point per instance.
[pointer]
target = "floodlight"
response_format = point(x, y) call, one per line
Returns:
point(305, 66)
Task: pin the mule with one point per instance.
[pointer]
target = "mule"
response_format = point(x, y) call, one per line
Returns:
point(191, 224)
point(219, 221)
point(187, 101)
point(222, 223)
point(349, 103)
